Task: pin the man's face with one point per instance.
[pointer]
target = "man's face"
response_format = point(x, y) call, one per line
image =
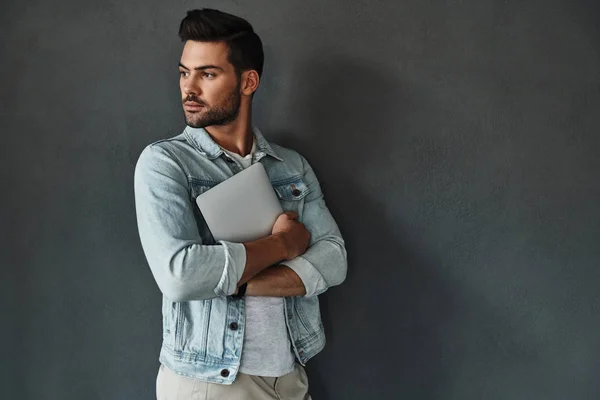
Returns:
point(210, 88)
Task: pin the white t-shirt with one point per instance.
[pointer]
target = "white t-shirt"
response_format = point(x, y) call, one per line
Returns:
point(266, 349)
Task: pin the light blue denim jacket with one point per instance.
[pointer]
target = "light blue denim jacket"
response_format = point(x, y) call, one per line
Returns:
point(203, 326)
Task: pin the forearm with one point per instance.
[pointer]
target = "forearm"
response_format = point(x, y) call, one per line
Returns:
point(276, 281)
point(261, 254)
point(200, 272)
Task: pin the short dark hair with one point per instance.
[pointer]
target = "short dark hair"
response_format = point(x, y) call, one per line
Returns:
point(208, 25)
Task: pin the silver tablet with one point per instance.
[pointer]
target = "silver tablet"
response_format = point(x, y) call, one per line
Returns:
point(242, 208)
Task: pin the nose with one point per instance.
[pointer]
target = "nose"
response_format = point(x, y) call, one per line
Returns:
point(191, 87)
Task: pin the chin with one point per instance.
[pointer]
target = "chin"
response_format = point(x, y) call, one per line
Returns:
point(194, 122)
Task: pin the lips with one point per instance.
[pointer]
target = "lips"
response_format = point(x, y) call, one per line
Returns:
point(192, 106)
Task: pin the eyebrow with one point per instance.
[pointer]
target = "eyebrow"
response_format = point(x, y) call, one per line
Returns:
point(201, 68)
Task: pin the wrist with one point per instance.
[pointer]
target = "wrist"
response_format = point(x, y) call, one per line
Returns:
point(282, 243)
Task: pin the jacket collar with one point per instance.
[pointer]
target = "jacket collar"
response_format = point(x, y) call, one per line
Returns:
point(199, 138)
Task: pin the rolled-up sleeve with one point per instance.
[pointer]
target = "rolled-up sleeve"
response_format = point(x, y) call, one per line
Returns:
point(184, 268)
point(324, 264)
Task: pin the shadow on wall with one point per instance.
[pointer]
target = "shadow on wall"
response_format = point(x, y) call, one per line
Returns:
point(389, 312)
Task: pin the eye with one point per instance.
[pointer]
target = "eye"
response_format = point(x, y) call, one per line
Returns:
point(208, 75)
point(184, 73)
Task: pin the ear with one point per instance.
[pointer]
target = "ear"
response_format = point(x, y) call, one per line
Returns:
point(250, 81)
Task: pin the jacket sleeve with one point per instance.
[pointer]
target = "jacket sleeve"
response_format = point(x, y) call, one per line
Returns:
point(324, 264)
point(184, 268)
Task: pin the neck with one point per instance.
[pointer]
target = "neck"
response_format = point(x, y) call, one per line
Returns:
point(236, 136)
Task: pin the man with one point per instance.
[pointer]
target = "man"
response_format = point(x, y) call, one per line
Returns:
point(239, 319)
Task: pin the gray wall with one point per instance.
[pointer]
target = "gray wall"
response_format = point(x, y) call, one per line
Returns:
point(457, 145)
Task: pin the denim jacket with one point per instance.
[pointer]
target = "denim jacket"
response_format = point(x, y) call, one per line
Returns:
point(203, 326)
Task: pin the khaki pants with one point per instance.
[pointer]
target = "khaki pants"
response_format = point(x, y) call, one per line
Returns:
point(293, 386)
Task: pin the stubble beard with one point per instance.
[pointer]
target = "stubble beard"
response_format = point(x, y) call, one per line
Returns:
point(221, 114)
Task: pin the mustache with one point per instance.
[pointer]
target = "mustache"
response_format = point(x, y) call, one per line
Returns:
point(194, 98)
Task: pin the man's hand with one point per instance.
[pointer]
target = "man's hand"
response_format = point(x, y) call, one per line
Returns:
point(293, 233)
point(289, 239)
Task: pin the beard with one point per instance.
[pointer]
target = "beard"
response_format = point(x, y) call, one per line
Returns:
point(220, 114)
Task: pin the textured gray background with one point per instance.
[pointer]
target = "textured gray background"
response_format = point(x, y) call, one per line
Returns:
point(457, 144)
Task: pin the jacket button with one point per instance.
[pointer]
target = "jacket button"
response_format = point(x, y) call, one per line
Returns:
point(225, 373)
point(296, 192)
point(233, 326)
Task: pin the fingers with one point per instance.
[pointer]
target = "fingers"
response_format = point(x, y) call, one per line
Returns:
point(291, 214)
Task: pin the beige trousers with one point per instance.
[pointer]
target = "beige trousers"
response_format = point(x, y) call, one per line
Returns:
point(293, 386)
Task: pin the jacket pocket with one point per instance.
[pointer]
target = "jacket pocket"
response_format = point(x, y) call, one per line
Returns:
point(308, 316)
point(196, 188)
point(193, 327)
point(291, 193)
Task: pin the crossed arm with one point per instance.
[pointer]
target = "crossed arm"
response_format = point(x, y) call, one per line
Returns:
point(276, 281)
point(289, 238)
point(186, 269)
